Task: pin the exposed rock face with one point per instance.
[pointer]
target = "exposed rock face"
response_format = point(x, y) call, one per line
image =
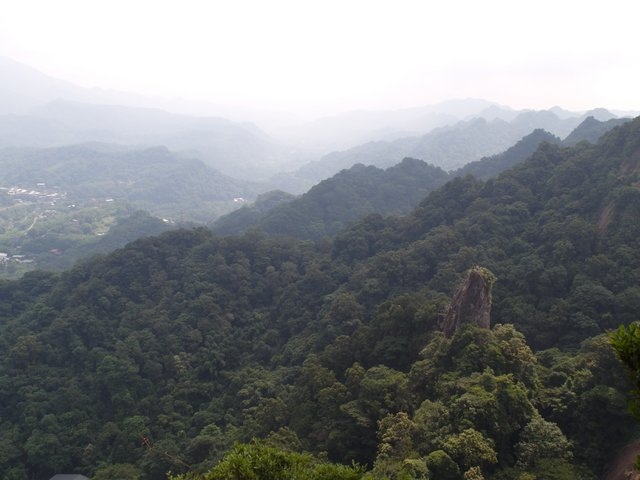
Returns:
point(471, 302)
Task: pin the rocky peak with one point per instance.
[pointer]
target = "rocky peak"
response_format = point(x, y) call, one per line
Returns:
point(471, 304)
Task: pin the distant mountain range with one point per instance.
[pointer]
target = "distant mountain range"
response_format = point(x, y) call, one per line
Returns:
point(453, 146)
point(346, 130)
point(37, 110)
point(237, 149)
point(362, 190)
point(351, 129)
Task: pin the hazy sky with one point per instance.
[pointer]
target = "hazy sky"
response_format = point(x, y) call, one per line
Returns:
point(337, 55)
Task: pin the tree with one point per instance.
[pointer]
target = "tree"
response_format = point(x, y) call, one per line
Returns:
point(118, 471)
point(539, 440)
point(395, 444)
point(470, 448)
point(626, 342)
point(258, 461)
point(442, 466)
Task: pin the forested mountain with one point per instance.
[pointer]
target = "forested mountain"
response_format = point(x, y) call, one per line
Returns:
point(591, 129)
point(57, 250)
point(249, 216)
point(346, 197)
point(447, 147)
point(488, 167)
point(352, 194)
point(153, 179)
point(161, 355)
point(60, 204)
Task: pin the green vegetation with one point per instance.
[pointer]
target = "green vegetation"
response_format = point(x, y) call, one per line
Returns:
point(153, 179)
point(488, 167)
point(39, 235)
point(359, 191)
point(173, 353)
point(340, 200)
point(59, 205)
point(257, 461)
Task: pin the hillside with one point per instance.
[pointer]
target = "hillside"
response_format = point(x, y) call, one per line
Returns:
point(346, 197)
point(161, 355)
point(591, 129)
point(151, 178)
point(561, 206)
point(249, 216)
point(360, 191)
point(488, 167)
point(59, 204)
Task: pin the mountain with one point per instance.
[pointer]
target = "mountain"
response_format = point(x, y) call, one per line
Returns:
point(60, 204)
point(562, 113)
point(24, 87)
point(237, 149)
point(349, 129)
point(446, 147)
point(359, 191)
point(37, 110)
point(591, 129)
point(342, 199)
point(153, 179)
point(488, 167)
point(601, 114)
point(497, 112)
point(164, 354)
point(566, 205)
point(530, 120)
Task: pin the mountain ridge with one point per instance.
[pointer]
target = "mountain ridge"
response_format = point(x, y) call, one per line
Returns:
point(284, 219)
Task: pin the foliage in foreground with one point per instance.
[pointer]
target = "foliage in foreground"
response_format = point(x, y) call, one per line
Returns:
point(259, 461)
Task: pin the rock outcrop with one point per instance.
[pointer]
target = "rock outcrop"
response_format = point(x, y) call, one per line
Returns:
point(471, 304)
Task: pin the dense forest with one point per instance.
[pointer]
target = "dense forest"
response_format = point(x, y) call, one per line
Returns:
point(210, 356)
point(340, 200)
point(352, 194)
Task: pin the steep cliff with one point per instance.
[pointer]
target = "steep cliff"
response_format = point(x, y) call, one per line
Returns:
point(471, 303)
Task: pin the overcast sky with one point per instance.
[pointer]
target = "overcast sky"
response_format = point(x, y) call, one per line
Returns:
point(330, 56)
